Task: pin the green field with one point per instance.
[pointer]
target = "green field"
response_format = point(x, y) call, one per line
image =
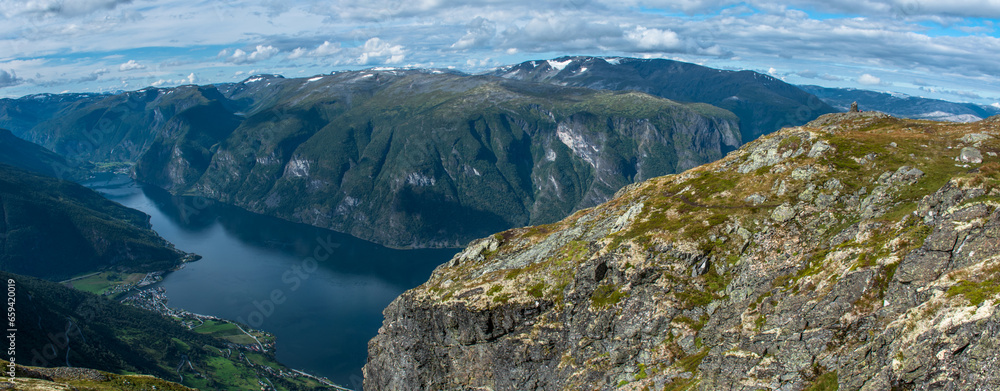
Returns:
point(104, 281)
point(224, 330)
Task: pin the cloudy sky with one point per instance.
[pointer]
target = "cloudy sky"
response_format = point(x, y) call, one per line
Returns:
point(942, 49)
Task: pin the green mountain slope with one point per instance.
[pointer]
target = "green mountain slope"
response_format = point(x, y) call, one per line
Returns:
point(764, 104)
point(63, 327)
point(105, 128)
point(400, 157)
point(33, 157)
point(55, 229)
point(859, 251)
point(416, 159)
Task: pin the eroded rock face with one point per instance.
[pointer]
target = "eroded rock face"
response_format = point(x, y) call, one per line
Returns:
point(884, 277)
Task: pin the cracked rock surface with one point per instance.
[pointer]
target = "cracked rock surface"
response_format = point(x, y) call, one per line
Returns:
point(855, 251)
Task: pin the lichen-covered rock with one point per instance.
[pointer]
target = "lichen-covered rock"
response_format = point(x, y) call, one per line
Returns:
point(970, 155)
point(873, 264)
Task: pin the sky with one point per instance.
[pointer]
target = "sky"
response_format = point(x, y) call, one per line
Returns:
point(938, 49)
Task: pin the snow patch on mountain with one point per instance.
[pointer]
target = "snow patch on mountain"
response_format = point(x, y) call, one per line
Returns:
point(560, 65)
point(949, 117)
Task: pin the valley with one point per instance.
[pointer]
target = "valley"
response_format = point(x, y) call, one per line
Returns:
point(578, 222)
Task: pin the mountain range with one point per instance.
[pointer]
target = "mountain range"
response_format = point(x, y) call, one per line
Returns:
point(902, 106)
point(763, 103)
point(418, 158)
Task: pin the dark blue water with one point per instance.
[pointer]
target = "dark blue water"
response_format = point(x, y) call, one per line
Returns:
point(320, 292)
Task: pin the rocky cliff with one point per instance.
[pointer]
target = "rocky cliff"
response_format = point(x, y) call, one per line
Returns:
point(414, 159)
point(858, 251)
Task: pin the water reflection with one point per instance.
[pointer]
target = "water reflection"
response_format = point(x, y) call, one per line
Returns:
point(321, 292)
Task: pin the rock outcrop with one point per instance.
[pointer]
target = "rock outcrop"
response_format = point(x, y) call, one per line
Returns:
point(857, 251)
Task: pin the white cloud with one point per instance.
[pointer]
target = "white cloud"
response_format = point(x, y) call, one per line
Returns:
point(997, 105)
point(66, 8)
point(325, 49)
point(191, 79)
point(131, 65)
point(652, 39)
point(869, 80)
point(239, 56)
point(376, 50)
point(899, 40)
point(479, 32)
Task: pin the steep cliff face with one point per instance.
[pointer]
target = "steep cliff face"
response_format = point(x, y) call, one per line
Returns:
point(859, 250)
point(407, 158)
point(415, 159)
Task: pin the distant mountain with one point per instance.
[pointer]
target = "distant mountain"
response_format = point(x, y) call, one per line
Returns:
point(102, 127)
point(62, 327)
point(400, 157)
point(55, 229)
point(903, 106)
point(33, 157)
point(764, 104)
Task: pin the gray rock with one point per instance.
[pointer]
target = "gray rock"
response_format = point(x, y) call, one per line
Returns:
point(975, 138)
point(970, 155)
point(755, 199)
point(783, 213)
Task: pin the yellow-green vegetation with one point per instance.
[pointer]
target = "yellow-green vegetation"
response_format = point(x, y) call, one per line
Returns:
point(35, 378)
point(537, 290)
point(236, 376)
point(681, 384)
point(606, 295)
point(642, 372)
point(105, 281)
point(976, 289)
point(695, 325)
point(224, 330)
point(825, 382)
point(502, 298)
point(691, 363)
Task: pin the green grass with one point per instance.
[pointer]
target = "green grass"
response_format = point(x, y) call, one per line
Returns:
point(105, 281)
point(224, 330)
point(501, 298)
point(825, 382)
point(642, 372)
point(691, 363)
point(537, 290)
point(606, 295)
point(978, 291)
point(681, 384)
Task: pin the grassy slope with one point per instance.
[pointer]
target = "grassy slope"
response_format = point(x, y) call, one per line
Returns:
point(57, 229)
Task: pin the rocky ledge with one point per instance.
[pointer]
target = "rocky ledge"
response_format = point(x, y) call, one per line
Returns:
point(859, 251)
